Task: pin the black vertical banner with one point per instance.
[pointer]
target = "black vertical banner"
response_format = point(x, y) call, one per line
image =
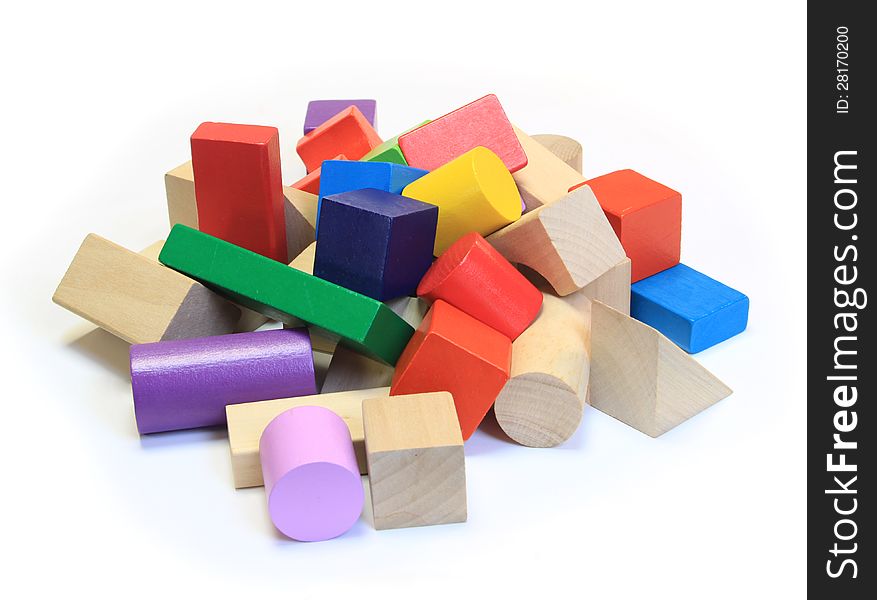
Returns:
point(841, 366)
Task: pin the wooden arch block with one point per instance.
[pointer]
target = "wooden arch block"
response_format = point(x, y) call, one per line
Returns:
point(479, 123)
point(541, 404)
point(348, 133)
point(416, 465)
point(565, 148)
point(570, 242)
point(137, 299)
point(546, 178)
point(454, 352)
point(320, 111)
point(643, 379)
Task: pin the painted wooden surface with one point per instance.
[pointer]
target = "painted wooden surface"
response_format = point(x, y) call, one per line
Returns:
point(482, 122)
point(281, 292)
point(311, 182)
point(417, 471)
point(238, 186)
point(348, 133)
point(389, 151)
point(546, 178)
point(565, 148)
point(474, 192)
point(693, 310)
point(135, 298)
point(320, 111)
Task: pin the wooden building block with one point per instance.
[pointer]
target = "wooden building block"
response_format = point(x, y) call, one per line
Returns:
point(246, 422)
point(152, 250)
point(348, 133)
point(179, 185)
point(643, 379)
point(693, 310)
point(238, 187)
point(611, 288)
point(281, 292)
point(569, 242)
point(546, 178)
point(320, 339)
point(479, 123)
point(454, 352)
point(475, 278)
point(300, 210)
point(137, 299)
point(320, 111)
point(541, 404)
point(417, 470)
point(375, 243)
point(646, 217)
point(350, 370)
point(310, 183)
point(389, 151)
point(565, 148)
point(474, 192)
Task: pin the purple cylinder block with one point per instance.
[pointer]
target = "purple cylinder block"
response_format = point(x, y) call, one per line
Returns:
point(180, 384)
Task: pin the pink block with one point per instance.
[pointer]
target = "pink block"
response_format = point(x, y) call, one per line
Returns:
point(311, 477)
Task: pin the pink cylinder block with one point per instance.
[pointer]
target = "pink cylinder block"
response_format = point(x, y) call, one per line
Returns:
point(311, 476)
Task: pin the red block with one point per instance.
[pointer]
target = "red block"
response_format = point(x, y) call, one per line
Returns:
point(454, 352)
point(646, 217)
point(348, 133)
point(238, 189)
point(479, 123)
point(478, 280)
point(311, 182)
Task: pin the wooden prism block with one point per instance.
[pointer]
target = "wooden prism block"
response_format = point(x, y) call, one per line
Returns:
point(320, 111)
point(646, 217)
point(350, 370)
point(389, 151)
point(541, 404)
point(246, 422)
point(475, 278)
point(179, 185)
point(311, 182)
point(643, 379)
point(454, 352)
point(152, 250)
point(417, 469)
point(281, 292)
point(300, 211)
point(693, 310)
point(348, 133)
point(565, 148)
point(569, 242)
point(611, 288)
point(546, 178)
point(479, 123)
point(135, 298)
point(474, 192)
point(375, 243)
point(238, 187)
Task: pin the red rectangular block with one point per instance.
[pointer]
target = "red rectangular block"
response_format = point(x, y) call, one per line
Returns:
point(479, 123)
point(348, 133)
point(238, 187)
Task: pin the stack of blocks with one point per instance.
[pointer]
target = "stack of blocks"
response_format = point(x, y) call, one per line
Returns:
point(457, 267)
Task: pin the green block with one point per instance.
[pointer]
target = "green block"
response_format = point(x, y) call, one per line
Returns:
point(389, 151)
point(283, 293)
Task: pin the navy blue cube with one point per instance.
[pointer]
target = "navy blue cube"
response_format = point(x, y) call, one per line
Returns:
point(693, 310)
point(376, 243)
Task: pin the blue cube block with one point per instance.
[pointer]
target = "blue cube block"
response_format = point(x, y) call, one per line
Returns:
point(693, 310)
point(376, 243)
point(337, 176)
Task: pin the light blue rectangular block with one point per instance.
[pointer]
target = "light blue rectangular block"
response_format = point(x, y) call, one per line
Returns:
point(690, 308)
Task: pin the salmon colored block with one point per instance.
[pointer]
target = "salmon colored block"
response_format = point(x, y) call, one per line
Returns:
point(646, 217)
point(454, 352)
point(474, 192)
point(474, 277)
point(348, 133)
point(479, 123)
point(310, 183)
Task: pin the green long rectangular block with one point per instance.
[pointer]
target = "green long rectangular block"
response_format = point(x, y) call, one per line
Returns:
point(283, 293)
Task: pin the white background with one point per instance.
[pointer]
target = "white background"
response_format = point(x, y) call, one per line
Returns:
point(98, 103)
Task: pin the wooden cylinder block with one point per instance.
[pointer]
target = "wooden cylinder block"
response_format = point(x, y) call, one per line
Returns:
point(474, 192)
point(565, 148)
point(476, 278)
point(541, 404)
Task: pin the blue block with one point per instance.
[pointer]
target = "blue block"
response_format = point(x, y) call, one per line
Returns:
point(376, 243)
point(337, 176)
point(693, 310)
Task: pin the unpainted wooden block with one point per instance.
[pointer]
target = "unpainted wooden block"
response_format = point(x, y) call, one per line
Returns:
point(137, 299)
point(417, 470)
point(179, 185)
point(565, 148)
point(300, 209)
point(642, 378)
point(546, 178)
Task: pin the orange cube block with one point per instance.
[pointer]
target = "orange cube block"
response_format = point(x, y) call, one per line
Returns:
point(348, 133)
point(310, 183)
point(456, 353)
point(646, 217)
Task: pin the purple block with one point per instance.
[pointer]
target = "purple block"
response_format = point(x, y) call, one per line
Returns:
point(320, 111)
point(180, 384)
